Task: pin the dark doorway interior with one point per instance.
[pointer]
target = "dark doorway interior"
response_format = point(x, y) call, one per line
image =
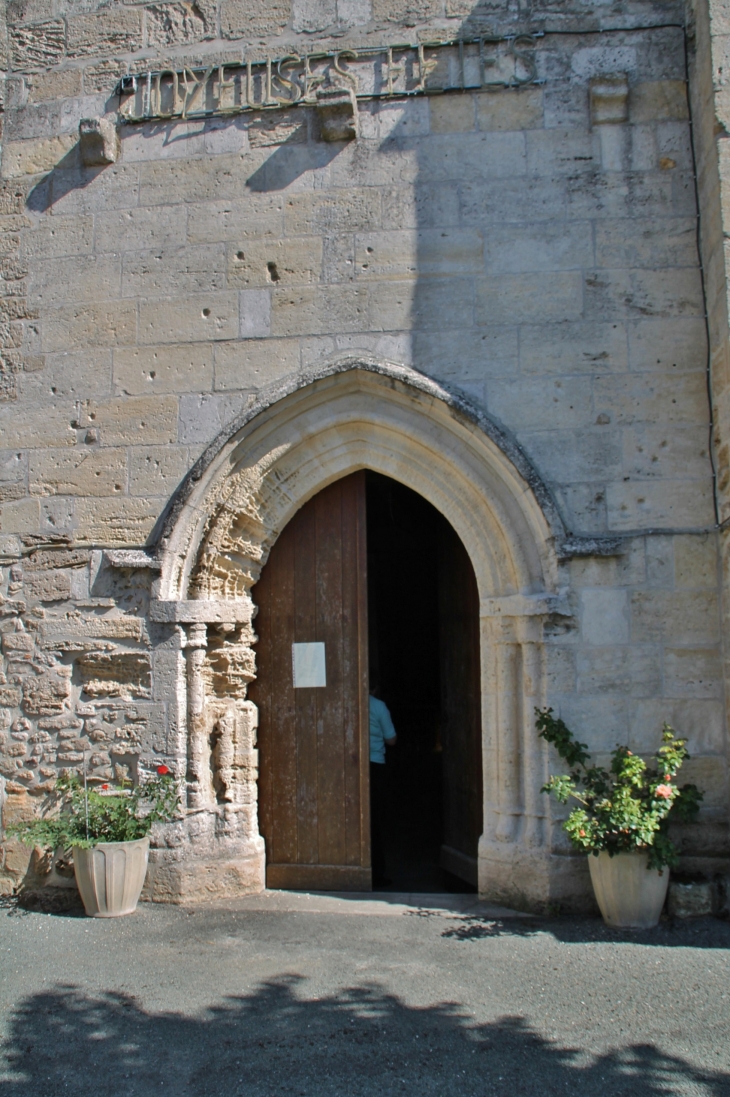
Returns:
point(424, 649)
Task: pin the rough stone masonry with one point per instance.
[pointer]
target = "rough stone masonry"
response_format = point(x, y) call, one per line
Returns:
point(241, 239)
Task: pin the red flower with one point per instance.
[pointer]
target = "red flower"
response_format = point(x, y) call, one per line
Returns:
point(162, 770)
point(105, 787)
point(664, 791)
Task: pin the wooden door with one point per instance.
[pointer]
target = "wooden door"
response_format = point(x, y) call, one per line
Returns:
point(314, 809)
point(461, 733)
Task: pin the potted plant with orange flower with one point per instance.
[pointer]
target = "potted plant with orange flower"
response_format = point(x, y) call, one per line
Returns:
point(107, 829)
point(622, 819)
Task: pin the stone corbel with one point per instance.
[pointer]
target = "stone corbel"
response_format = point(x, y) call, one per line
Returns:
point(99, 142)
point(610, 99)
point(337, 113)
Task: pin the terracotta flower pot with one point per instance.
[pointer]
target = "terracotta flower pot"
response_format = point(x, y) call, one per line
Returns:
point(628, 893)
point(110, 876)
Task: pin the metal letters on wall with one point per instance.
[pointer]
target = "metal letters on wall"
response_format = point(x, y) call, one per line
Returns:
point(425, 69)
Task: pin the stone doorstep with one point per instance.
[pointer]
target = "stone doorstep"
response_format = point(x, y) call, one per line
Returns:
point(380, 904)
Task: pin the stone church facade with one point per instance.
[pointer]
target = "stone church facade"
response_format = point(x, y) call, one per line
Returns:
point(249, 248)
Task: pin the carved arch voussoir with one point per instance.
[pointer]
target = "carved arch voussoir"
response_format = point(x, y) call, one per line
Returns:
point(357, 413)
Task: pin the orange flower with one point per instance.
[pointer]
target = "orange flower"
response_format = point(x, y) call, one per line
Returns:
point(664, 791)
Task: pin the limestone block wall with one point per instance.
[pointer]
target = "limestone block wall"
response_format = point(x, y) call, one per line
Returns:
point(502, 242)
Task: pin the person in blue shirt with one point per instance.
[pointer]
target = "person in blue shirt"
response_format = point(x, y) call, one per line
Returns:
point(382, 734)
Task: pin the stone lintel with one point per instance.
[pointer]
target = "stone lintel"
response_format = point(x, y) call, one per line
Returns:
point(201, 611)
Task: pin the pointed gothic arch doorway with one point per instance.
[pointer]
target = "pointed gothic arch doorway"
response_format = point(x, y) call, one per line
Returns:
point(287, 445)
point(369, 569)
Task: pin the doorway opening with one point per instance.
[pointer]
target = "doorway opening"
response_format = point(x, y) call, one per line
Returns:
point(423, 640)
point(368, 580)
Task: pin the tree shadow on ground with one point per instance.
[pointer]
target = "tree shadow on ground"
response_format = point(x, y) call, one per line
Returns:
point(712, 933)
point(273, 1041)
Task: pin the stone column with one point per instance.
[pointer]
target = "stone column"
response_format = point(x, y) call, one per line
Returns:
point(516, 863)
point(199, 777)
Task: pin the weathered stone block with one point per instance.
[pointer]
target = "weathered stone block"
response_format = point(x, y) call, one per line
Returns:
point(454, 113)
point(241, 18)
point(237, 220)
point(689, 900)
point(124, 674)
point(120, 521)
point(310, 310)
point(174, 25)
point(38, 155)
point(78, 471)
point(673, 344)
point(659, 616)
point(58, 84)
point(693, 672)
point(115, 30)
point(428, 253)
point(696, 562)
point(251, 363)
point(53, 586)
point(604, 617)
point(632, 242)
point(341, 211)
point(142, 370)
point(195, 319)
point(662, 451)
point(511, 249)
point(529, 298)
point(646, 505)
point(573, 348)
point(38, 46)
point(533, 403)
point(157, 470)
point(408, 13)
point(255, 313)
point(659, 100)
point(90, 278)
point(140, 420)
point(518, 109)
point(278, 263)
point(21, 516)
point(174, 272)
point(46, 424)
point(112, 323)
point(634, 671)
point(651, 397)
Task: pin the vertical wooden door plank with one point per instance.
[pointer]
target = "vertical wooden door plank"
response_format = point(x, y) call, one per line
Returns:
point(354, 669)
point(314, 807)
point(330, 754)
point(282, 706)
point(305, 631)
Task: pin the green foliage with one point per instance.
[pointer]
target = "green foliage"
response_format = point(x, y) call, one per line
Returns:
point(75, 816)
point(626, 807)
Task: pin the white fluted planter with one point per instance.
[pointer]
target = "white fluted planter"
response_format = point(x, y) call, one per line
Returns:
point(629, 894)
point(110, 876)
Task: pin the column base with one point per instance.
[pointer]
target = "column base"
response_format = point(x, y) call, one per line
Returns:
point(208, 856)
point(534, 880)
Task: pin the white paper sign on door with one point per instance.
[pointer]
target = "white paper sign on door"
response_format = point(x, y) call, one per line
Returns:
point(308, 665)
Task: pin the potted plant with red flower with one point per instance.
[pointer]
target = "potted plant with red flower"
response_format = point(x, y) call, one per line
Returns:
point(107, 830)
point(622, 819)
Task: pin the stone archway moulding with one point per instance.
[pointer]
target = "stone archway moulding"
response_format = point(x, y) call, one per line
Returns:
point(289, 444)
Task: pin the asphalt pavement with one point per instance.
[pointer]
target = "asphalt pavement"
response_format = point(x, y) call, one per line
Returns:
point(305, 995)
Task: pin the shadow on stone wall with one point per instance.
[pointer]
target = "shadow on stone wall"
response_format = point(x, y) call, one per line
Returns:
point(360, 1041)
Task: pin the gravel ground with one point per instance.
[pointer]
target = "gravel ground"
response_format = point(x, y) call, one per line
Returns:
point(390, 999)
